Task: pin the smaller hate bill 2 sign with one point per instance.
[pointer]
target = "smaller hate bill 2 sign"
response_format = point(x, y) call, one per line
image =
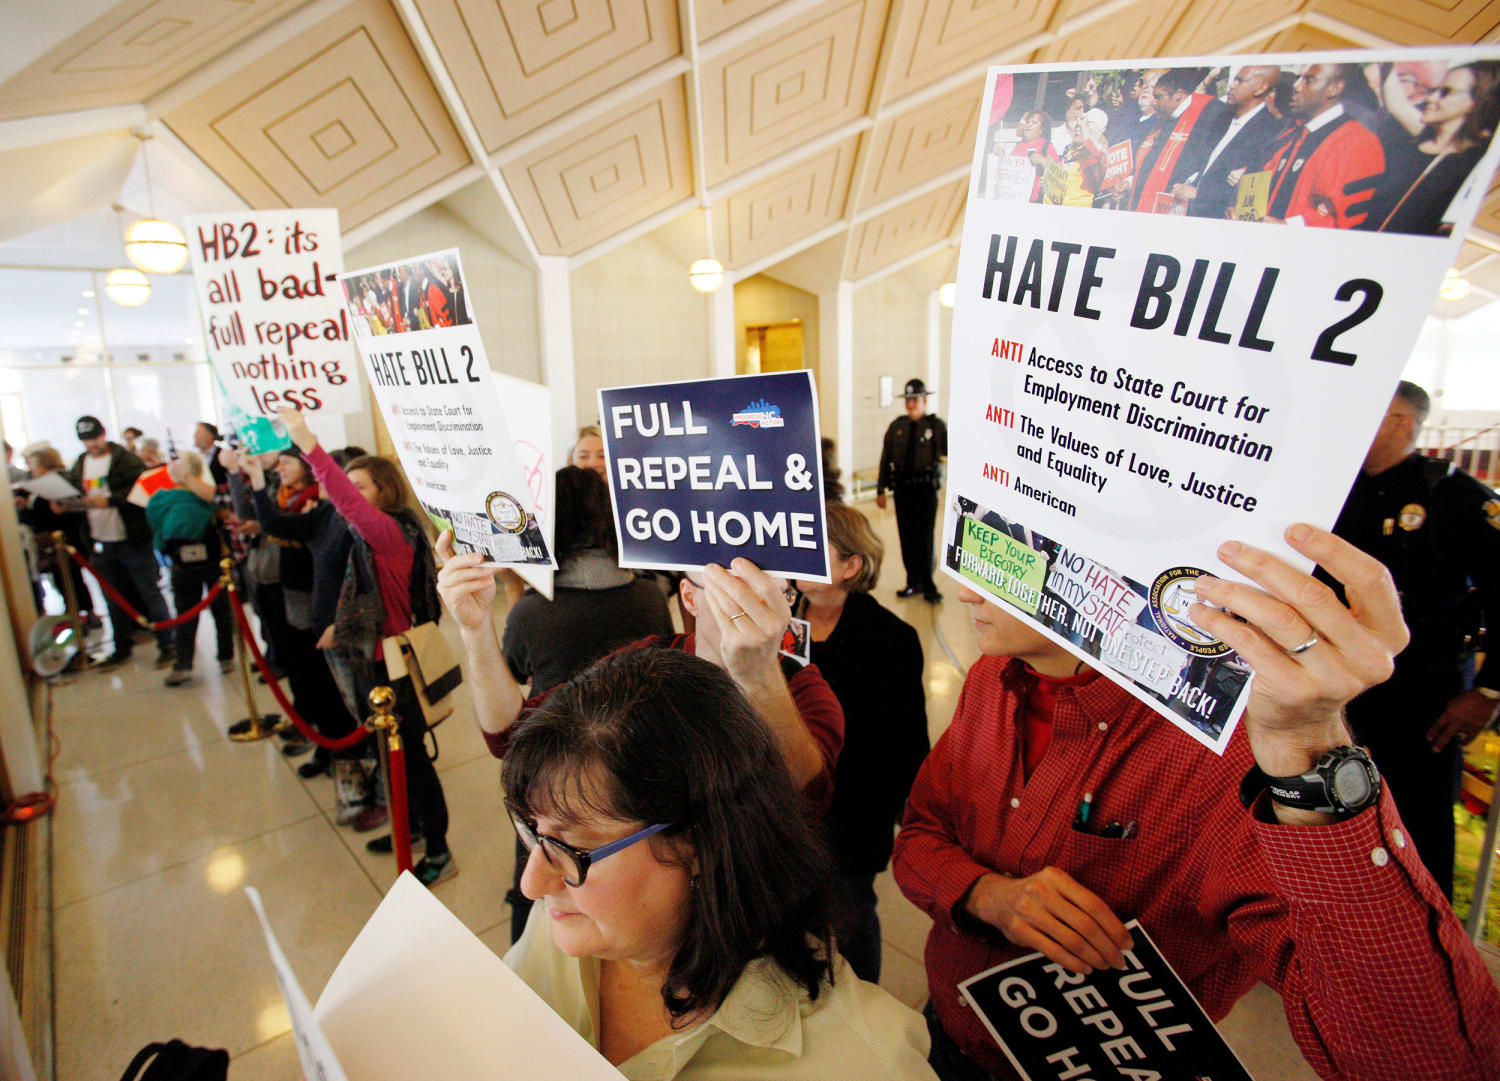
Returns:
point(707, 470)
point(1139, 1024)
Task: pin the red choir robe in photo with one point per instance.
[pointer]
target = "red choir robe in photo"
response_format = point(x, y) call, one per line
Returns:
point(1159, 166)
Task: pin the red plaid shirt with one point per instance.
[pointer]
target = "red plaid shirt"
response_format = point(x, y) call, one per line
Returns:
point(1343, 920)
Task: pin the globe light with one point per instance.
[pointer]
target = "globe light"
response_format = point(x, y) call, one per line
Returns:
point(1455, 286)
point(127, 287)
point(156, 246)
point(946, 292)
point(706, 275)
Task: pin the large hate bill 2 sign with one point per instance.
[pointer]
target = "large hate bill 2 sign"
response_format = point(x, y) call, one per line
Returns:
point(414, 328)
point(1186, 291)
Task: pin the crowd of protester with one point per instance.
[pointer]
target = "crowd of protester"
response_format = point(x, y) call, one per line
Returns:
point(1381, 147)
point(699, 817)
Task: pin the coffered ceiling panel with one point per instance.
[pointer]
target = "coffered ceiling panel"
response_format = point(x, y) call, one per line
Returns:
point(933, 38)
point(1304, 38)
point(520, 63)
point(923, 143)
point(716, 16)
point(1417, 22)
point(908, 228)
point(1139, 30)
point(1212, 24)
point(789, 86)
point(343, 116)
point(608, 175)
point(780, 210)
point(1470, 254)
point(132, 51)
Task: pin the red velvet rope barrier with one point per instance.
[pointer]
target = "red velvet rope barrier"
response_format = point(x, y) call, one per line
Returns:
point(166, 624)
point(400, 826)
point(260, 663)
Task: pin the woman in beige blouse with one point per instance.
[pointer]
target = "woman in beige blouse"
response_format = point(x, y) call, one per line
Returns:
point(686, 929)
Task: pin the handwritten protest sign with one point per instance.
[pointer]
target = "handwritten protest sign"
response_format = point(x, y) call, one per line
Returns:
point(1138, 380)
point(1141, 1022)
point(707, 470)
point(528, 414)
point(273, 319)
point(426, 362)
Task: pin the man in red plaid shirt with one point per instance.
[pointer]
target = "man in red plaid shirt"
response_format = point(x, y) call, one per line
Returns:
point(1334, 911)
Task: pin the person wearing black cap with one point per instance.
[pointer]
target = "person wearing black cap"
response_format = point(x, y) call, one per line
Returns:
point(105, 473)
point(915, 447)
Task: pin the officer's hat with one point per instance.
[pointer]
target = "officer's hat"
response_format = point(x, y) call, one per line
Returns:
point(915, 388)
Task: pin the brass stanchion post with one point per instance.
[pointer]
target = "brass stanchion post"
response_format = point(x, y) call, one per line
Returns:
point(70, 595)
point(387, 728)
point(256, 726)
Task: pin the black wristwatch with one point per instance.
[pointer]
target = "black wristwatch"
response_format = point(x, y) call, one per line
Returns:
point(1344, 782)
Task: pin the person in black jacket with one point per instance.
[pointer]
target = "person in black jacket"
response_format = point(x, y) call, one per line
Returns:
point(873, 662)
point(122, 553)
point(1437, 530)
point(910, 461)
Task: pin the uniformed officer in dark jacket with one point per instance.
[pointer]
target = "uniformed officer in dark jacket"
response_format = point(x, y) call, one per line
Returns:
point(915, 446)
point(1438, 531)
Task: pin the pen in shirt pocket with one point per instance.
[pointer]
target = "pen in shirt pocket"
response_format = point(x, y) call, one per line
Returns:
point(1085, 808)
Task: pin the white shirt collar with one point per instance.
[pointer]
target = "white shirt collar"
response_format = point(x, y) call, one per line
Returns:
point(1326, 117)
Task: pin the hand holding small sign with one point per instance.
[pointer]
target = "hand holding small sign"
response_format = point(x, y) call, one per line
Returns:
point(1296, 705)
point(1050, 912)
point(751, 612)
point(466, 583)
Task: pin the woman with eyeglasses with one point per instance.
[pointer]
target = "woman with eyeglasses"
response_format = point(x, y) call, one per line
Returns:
point(1424, 175)
point(683, 916)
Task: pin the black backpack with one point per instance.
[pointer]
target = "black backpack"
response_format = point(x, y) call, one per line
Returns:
point(176, 1061)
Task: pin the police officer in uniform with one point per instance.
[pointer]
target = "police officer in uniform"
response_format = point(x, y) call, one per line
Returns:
point(915, 445)
point(1438, 531)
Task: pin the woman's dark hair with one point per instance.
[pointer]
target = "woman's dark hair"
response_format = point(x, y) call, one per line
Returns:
point(833, 486)
point(657, 735)
point(296, 455)
point(584, 517)
point(1046, 117)
point(1484, 114)
point(386, 476)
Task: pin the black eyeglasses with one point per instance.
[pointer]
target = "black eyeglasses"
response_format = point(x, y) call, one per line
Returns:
point(572, 863)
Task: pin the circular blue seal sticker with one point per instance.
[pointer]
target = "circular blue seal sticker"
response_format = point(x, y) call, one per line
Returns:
point(1172, 594)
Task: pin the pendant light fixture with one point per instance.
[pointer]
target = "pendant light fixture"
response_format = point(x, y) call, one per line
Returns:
point(126, 286)
point(152, 244)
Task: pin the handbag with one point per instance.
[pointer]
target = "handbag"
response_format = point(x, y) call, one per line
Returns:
point(423, 654)
point(177, 1061)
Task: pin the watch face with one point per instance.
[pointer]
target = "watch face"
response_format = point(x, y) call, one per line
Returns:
point(1351, 783)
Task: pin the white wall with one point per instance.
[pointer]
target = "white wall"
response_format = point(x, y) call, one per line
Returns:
point(502, 291)
point(635, 320)
point(1455, 361)
point(890, 338)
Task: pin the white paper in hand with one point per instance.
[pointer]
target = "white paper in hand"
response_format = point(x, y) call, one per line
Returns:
point(319, 1063)
point(418, 995)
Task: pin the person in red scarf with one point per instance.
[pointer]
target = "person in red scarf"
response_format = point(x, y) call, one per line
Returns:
point(1325, 167)
point(1180, 109)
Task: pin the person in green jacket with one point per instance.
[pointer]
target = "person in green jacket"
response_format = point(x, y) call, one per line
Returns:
point(183, 529)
